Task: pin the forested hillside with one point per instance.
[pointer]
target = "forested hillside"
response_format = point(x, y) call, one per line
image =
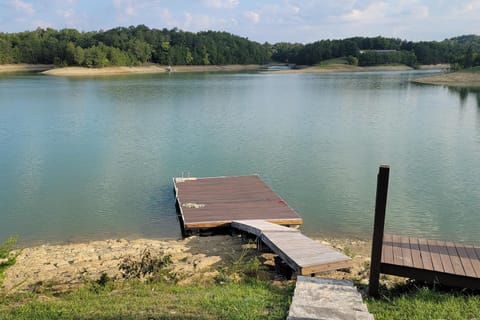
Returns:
point(137, 45)
point(130, 46)
point(462, 52)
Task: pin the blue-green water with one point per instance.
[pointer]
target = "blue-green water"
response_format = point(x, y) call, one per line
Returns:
point(94, 158)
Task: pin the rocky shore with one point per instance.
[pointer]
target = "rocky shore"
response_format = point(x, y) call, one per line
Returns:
point(194, 259)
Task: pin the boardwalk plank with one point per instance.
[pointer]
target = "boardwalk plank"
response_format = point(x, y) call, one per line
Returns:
point(434, 251)
point(416, 254)
point(466, 261)
point(473, 258)
point(397, 250)
point(455, 259)
point(446, 261)
point(387, 250)
point(406, 252)
point(425, 254)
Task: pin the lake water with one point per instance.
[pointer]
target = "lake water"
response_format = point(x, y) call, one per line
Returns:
point(93, 158)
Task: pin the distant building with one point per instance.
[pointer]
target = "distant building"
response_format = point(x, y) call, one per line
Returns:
point(377, 51)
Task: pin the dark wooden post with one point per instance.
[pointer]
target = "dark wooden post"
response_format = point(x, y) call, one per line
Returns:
point(378, 227)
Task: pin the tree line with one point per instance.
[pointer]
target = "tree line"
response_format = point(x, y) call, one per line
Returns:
point(137, 45)
point(128, 47)
point(460, 52)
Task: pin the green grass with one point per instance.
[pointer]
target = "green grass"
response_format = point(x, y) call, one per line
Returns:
point(412, 302)
point(135, 300)
point(341, 60)
point(7, 257)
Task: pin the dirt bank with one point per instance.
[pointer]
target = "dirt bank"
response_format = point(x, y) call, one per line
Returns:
point(455, 79)
point(194, 259)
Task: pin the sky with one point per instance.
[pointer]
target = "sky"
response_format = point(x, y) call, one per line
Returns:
point(263, 20)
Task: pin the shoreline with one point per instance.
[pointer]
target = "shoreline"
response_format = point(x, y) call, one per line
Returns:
point(339, 68)
point(160, 69)
point(454, 79)
point(22, 67)
point(195, 259)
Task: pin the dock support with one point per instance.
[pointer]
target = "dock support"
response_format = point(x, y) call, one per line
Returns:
point(378, 229)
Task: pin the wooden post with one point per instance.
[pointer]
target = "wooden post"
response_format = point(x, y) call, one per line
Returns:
point(378, 228)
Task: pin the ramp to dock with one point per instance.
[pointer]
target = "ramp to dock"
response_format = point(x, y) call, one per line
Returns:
point(304, 255)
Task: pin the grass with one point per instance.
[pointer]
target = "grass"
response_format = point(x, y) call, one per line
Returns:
point(341, 60)
point(413, 302)
point(7, 257)
point(238, 292)
point(149, 291)
point(135, 300)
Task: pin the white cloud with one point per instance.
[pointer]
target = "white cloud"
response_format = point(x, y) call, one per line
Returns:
point(253, 17)
point(387, 12)
point(221, 3)
point(126, 8)
point(200, 22)
point(471, 5)
point(23, 7)
point(167, 18)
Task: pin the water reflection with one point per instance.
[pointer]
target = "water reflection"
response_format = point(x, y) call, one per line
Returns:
point(465, 92)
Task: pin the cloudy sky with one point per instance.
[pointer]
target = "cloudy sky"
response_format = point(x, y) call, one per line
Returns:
point(262, 20)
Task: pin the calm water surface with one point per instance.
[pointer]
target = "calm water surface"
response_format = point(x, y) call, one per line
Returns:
point(94, 158)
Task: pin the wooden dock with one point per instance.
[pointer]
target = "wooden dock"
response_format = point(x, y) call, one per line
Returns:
point(447, 263)
point(302, 254)
point(215, 202)
point(246, 203)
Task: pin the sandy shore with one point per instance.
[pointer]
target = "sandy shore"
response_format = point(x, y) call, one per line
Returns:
point(10, 68)
point(194, 259)
point(150, 69)
point(457, 79)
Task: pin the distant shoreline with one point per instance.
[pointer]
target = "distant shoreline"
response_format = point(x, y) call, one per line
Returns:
point(11, 68)
point(454, 79)
point(155, 69)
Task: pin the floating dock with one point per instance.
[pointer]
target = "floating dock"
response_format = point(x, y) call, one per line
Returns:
point(205, 203)
point(247, 204)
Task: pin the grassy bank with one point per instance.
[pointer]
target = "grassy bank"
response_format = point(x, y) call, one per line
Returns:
point(174, 280)
point(135, 300)
point(413, 301)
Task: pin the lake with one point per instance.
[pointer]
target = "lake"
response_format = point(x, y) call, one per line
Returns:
point(93, 158)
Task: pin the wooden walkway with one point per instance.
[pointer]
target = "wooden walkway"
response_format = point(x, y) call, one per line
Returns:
point(447, 263)
point(215, 202)
point(304, 255)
